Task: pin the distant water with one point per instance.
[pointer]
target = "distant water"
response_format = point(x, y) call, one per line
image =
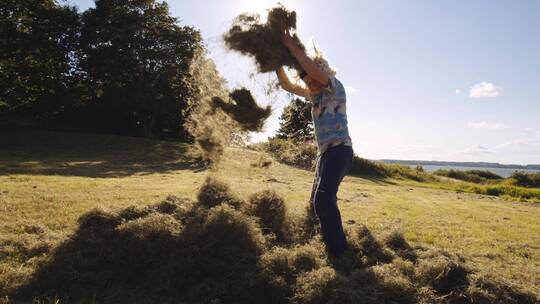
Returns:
point(504, 172)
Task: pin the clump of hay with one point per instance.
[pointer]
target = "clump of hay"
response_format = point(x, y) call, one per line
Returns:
point(270, 208)
point(215, 192)
point(397, 242)
point(443, 272)
point(317, 286)
point(193, 254)
point(244, 110)
point(367, 247)
point(262, 41)
point(488, 289)
point(179, 251)
point(280, 267)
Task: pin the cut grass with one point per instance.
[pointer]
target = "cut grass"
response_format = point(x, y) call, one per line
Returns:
point(48, 179)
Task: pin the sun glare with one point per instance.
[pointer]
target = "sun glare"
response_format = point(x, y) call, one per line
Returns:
point(257, 6)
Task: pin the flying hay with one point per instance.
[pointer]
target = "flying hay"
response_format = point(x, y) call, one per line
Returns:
point(262, 41)
point(213, 130)
point(245, 110)
point(210, 129)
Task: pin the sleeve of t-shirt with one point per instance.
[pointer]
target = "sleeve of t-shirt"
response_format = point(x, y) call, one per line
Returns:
point(338, 89)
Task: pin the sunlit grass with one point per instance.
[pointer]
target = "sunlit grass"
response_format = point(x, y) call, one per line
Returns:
point(45, 184)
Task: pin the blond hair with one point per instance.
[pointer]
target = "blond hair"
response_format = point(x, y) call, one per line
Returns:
point(319, 59)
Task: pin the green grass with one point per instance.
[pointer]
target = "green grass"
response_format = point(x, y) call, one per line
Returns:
point(48, 179)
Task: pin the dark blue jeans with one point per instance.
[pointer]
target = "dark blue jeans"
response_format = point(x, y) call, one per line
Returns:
point(332, 166)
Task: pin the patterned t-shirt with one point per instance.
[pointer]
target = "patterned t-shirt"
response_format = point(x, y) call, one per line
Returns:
point(329, 114)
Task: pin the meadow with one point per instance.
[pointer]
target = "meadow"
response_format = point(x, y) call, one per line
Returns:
point(49, 179)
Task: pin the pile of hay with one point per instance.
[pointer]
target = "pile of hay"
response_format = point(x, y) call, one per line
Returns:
point(243, 109)
point(262, 41)
point(222, 249)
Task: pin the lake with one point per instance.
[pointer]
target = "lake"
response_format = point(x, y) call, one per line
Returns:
point(504, 172)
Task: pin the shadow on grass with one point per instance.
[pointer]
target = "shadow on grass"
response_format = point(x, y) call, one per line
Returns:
point(374, 179)
point(91, 155)
point(180, 251)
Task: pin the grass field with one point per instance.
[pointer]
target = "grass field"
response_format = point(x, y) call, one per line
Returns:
point(48, 179)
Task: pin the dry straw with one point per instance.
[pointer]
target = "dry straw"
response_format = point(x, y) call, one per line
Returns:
point(243, 109)
point(180, 251)
point(262, 41)
point(219, 114)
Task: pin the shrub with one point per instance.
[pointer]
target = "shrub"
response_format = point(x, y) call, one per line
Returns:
point(406, 172)
point(531, 180)
point(532, 195)
point(473, 176)
point(364, 167)
point(298, 154)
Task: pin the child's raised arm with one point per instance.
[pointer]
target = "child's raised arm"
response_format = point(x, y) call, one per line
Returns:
point(307, 64)
point(287, 85)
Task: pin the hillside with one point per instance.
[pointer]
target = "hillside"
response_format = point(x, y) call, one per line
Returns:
point(48, 180)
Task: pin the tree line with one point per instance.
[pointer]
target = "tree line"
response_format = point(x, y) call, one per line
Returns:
point(120, 67)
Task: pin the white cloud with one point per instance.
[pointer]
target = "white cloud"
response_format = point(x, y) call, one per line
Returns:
point(487, 125)
point(476, 150)
point(520, 143)
point(485, 89)
point(350, 90)
point(458, 91)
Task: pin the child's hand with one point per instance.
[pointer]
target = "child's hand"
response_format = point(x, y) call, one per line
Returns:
point(288, 41)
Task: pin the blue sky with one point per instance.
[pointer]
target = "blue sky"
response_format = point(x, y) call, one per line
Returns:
point(432, 80)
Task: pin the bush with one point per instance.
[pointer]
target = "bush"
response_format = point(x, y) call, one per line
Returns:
point(298, 154)
point(304, 155)
point(402, 171)
point(473, 176)
point(364, 167)
point(531, 180)
point(532, 195)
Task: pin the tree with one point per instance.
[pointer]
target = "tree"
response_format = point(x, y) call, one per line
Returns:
point(38, 40)
point(137, 61)
point(296, 122)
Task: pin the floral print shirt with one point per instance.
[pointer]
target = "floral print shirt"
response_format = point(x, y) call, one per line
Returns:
point(329, 114)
